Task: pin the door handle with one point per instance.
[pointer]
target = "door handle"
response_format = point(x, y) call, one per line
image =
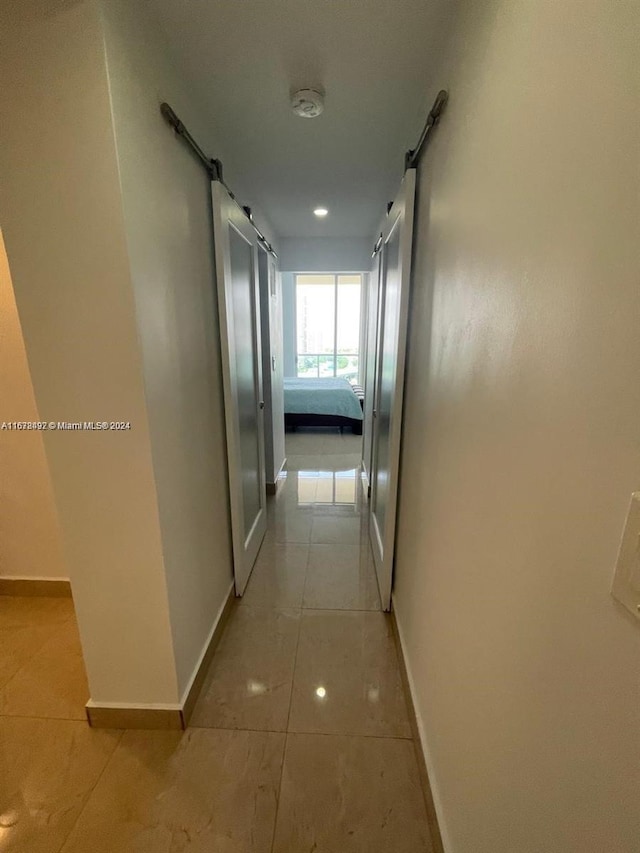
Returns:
point(261, 404)
point(375, 413)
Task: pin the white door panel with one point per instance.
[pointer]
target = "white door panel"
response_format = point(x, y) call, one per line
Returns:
point(272, 365)
point(395, 279)
point(373, 310)
point(239, 306)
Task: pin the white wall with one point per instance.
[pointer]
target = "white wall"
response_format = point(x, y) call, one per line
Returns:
point(521, 445)
point(61, 214)
point(167, 208)
point(325, 254)
point(30, 540)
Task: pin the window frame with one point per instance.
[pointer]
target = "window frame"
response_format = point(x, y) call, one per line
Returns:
point(334, 354)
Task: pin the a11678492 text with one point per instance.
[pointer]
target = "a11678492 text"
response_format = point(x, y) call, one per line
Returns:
point(66, 426)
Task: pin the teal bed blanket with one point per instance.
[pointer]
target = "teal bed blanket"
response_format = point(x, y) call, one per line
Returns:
point(332, 396)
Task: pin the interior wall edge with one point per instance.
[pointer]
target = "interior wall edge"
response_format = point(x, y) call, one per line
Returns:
point(166, 200)
point(65, 241)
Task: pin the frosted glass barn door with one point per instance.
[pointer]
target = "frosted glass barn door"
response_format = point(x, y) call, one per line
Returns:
point(371, 349)
point(236, 250)
point(395, 278)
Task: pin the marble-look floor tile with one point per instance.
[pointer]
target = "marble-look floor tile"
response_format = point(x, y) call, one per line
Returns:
point(321, 441)
point(31, 610)
point(300, 491)
point(290, 524)
point(325, 462)
point(18, 645)
point(47, 771)
point(338, 578)
point(338, 492)
point(352, 444)
point(348, 638)
point(25, 625)
point(201, 790)
point(249, 682)
point(317, 488)
point(291, 491)
point(53, 682)
point(336, 529)
point(347, 679)
point(277, 579)
point(350, 795)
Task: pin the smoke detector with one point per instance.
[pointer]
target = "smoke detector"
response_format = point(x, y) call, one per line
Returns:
point(307, 103)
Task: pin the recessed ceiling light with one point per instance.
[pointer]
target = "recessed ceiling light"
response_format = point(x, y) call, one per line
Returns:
point(321, 211)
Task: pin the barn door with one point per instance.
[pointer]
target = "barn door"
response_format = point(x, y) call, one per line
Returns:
point(236, 251)
point(393, 301)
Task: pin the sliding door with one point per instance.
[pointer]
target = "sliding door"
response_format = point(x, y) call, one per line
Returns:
point(395, 278)
point(236, 248)
point(370, 351)
point(272, 366)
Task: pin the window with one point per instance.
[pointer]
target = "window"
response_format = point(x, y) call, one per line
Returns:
point(328, 325)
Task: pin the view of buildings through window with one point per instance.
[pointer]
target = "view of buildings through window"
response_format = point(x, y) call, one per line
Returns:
point(328, 325)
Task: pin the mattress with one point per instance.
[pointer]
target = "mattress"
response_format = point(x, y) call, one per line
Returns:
point(332, 396)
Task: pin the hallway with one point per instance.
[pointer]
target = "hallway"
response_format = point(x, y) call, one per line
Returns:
point(300, 740)
point(174, 176)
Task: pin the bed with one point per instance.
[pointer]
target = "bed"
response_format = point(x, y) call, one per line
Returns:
point(322, 402)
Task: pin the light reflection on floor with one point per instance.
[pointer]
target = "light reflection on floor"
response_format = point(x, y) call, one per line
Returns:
point(329, 488)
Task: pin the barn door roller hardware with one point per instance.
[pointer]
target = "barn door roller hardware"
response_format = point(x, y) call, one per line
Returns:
point(412, 156)
point(267, 245)
point(213, 167)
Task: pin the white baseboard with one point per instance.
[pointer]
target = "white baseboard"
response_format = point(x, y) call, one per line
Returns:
point(207, 645)
point(422, 735)
point(135, 706)
point(35, 586)
point(33, 578)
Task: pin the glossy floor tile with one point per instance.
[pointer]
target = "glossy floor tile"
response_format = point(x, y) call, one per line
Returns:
point(25, 625)
point(322, 442)
point(347, 678)
point(167, 792)
point(300, 739)
point(52, 683)
point(249, 682)
point(350, 795)
point(335, 529)
point(48, 768)
point(278, 577)
point(291, 525)
point(339, 577)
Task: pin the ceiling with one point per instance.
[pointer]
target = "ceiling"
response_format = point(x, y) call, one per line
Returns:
point(372, 58)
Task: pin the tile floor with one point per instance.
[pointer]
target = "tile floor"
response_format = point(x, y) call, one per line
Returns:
point(300, 740)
